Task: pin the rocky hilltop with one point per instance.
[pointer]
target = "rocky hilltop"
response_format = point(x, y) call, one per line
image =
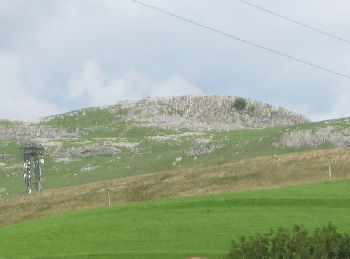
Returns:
point(193, 113)
point(205, 112)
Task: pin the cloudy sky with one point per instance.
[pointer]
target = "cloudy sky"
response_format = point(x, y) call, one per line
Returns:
point(61, 55)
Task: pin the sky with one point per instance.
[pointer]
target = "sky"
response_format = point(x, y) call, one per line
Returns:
point(61, 55)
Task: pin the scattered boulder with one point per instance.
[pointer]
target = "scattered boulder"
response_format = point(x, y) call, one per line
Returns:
point(33, 132)
point(87, 168)
point(175, 137)
point(203, 140)
point(201, 150)
point(178, 159)
point(125, 144)
point(88, 150)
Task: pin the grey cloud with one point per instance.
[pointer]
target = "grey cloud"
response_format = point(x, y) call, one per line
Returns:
point(53, 38)
point(17, 98)
point(96, 87)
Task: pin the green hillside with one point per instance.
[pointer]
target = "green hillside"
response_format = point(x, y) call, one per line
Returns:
point(177, 228)
point(114, 150)
point(158, 134)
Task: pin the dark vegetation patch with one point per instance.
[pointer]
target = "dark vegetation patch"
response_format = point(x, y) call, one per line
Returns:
point(324, 242)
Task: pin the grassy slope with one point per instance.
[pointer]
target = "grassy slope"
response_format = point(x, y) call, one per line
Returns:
point(149, 156)
point(177, 228)
point(252, 174)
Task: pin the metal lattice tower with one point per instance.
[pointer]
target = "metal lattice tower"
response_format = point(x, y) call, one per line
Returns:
point(32, 153)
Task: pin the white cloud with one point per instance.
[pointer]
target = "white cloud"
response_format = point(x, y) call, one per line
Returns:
point(340, 109)
point(52, 38)
point(17, 101)
point(97, 87)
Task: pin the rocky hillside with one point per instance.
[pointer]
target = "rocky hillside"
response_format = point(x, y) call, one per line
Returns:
point(201, 112)
point(158, 134)
point(335, 133)
point(206, 112)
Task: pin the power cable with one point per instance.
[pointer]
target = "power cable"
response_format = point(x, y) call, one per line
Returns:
point(251, 43)
point(294, 21)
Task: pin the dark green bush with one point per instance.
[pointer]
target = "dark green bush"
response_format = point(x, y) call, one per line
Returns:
point(323, 243)
point(239, 104)
point(251, 108)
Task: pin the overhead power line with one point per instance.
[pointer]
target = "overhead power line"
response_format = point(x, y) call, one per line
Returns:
point(294, 21)
point(251, 43)
point(248, 42)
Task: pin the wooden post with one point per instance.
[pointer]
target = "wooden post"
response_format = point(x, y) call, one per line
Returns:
point(109, 199)
point(330, 171)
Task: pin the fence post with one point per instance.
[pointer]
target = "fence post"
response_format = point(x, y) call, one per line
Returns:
point(109, 199)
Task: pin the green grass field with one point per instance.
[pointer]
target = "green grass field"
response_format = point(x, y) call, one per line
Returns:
point(177, 228)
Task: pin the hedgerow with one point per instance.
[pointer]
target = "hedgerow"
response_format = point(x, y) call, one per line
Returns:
point(323, 243)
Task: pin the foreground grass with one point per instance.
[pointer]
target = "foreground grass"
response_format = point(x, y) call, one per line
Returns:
point(177, 228)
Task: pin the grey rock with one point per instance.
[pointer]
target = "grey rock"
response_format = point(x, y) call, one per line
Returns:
point(339, 137)
point(175, 137)
point(32, 132)
point(87, 168)
point(88, 150)
point(204, 112)
point(201, 150)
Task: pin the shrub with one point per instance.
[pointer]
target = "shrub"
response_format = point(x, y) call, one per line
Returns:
point(251, 108)
point(240, 104)
point(324, 243)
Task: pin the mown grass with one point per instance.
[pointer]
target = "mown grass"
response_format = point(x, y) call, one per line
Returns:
point(177, 228)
